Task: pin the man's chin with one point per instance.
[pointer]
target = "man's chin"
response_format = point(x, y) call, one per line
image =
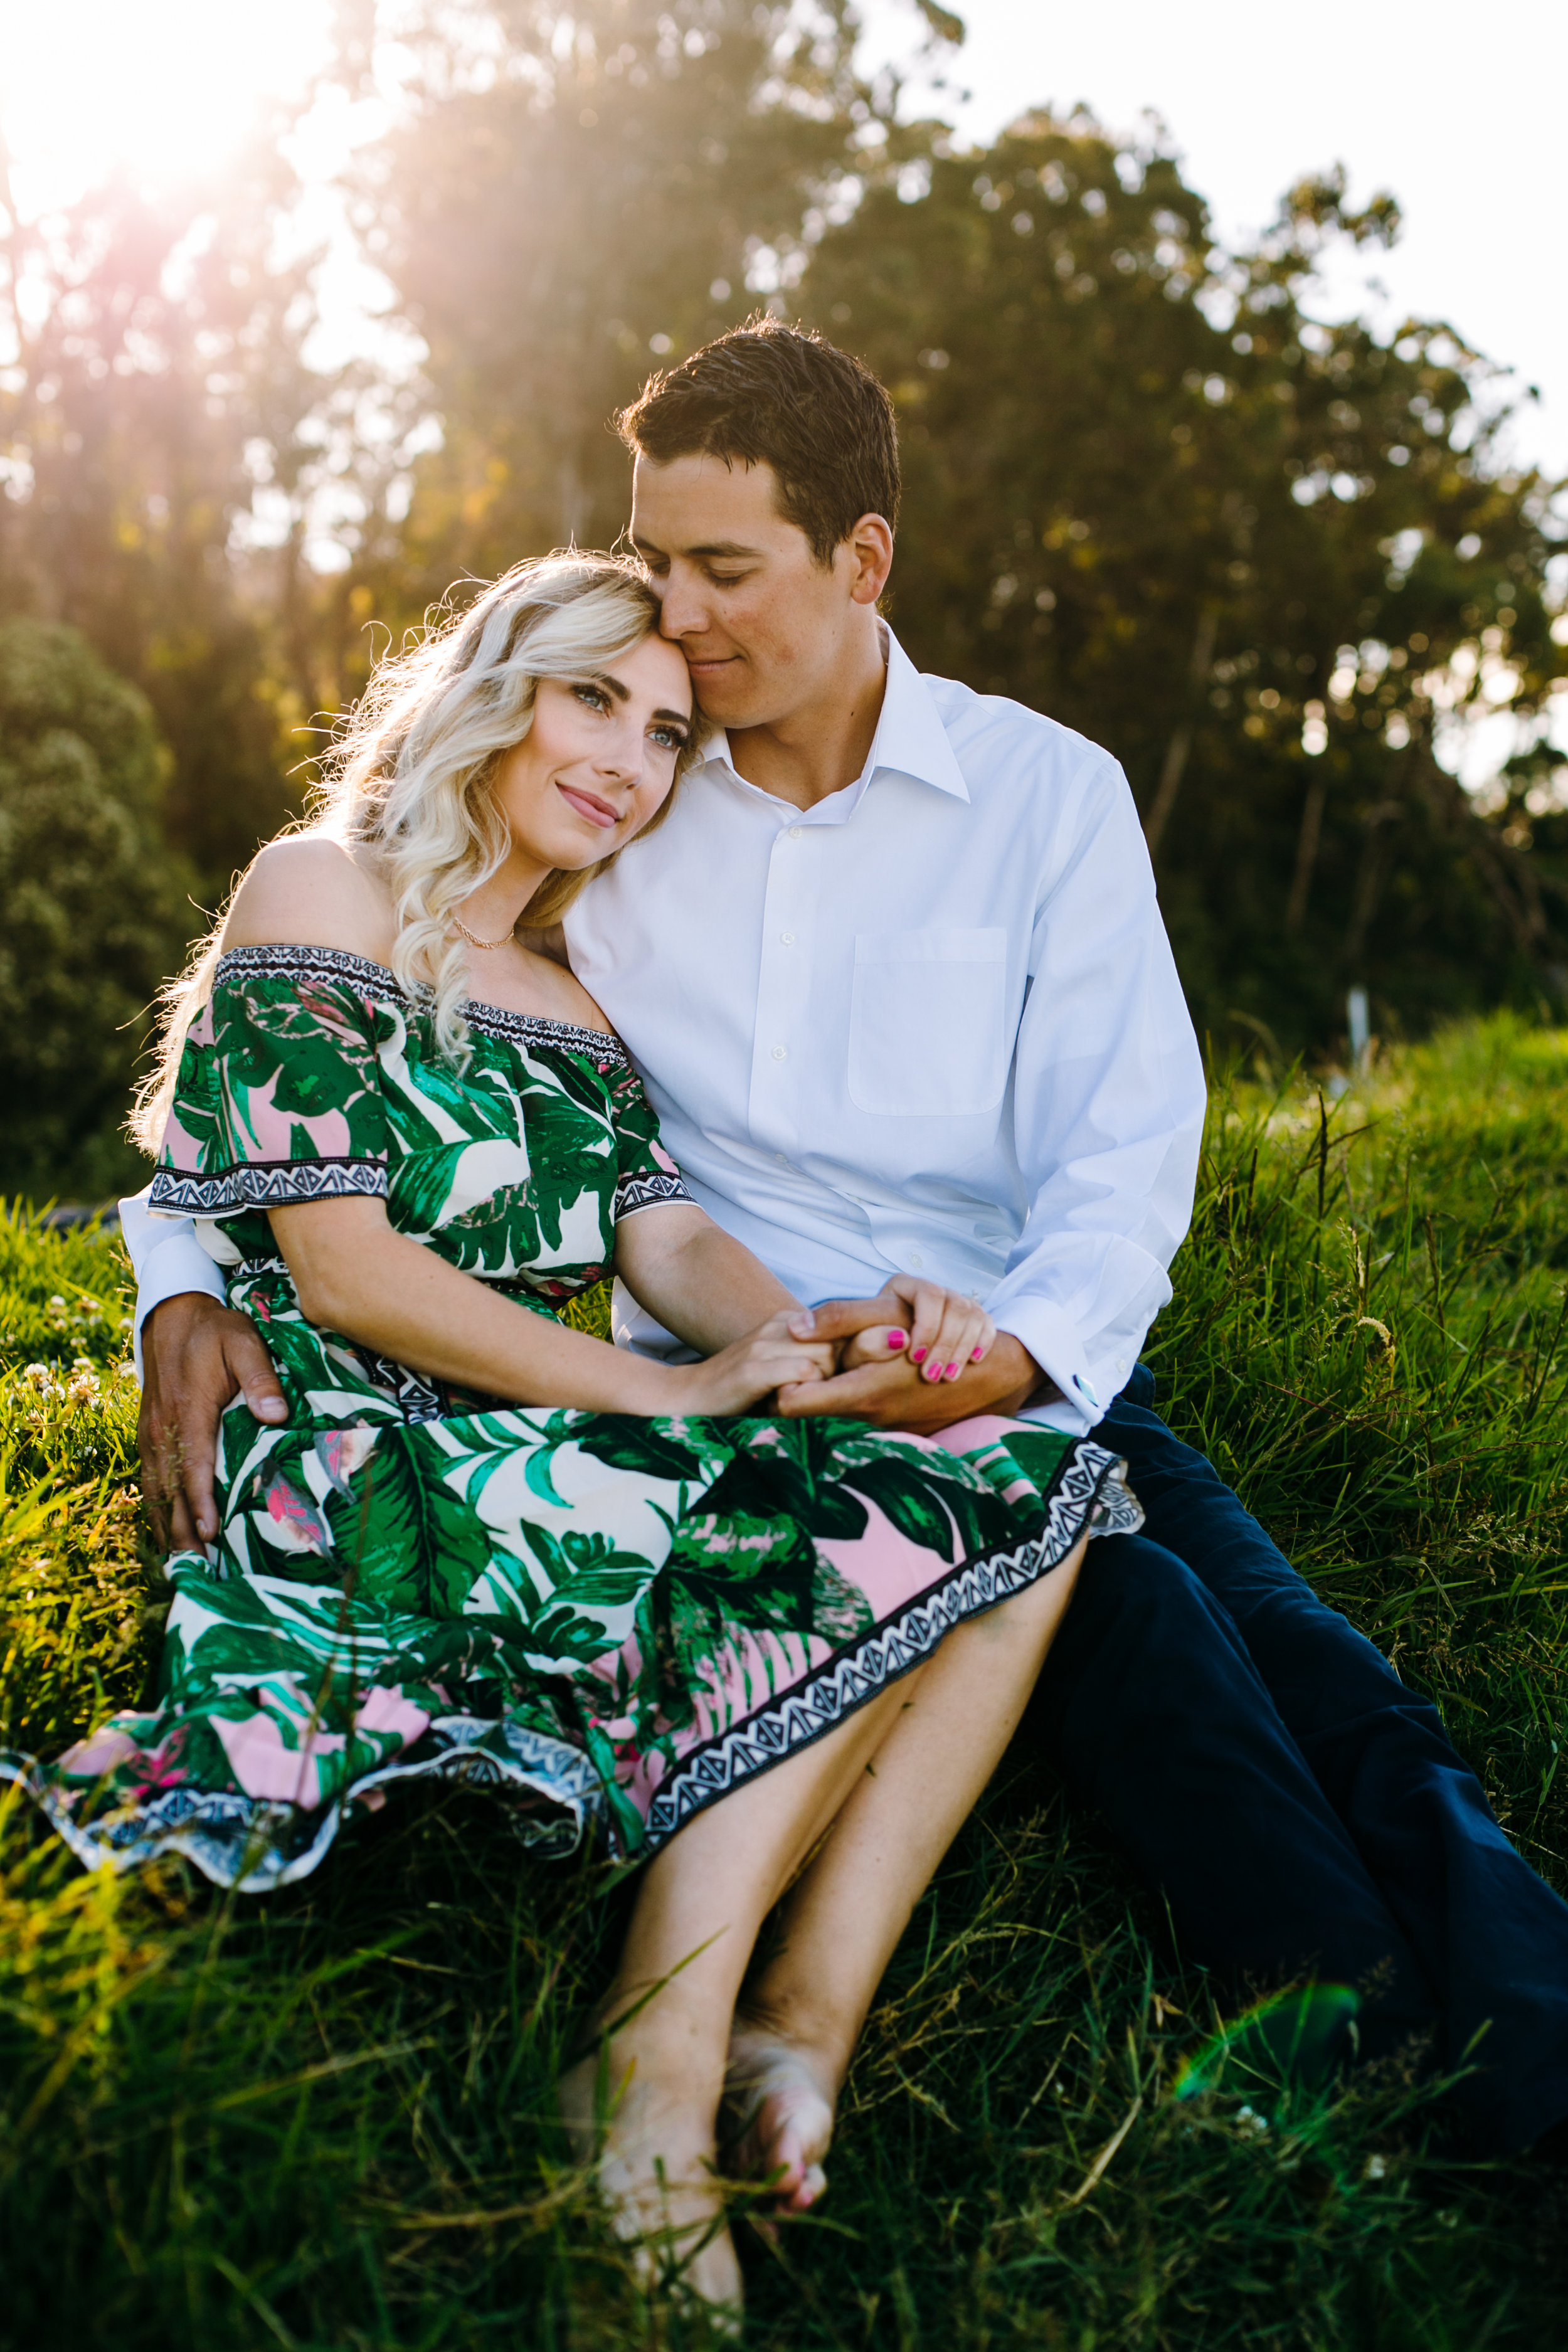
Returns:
point(731, 703)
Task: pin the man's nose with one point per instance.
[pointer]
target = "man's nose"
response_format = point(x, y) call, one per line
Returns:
point(683, 610)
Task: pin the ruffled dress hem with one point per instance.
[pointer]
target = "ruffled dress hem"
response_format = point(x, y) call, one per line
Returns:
point(558, 1796)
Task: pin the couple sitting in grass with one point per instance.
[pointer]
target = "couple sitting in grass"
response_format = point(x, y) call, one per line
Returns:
point(756, 1595)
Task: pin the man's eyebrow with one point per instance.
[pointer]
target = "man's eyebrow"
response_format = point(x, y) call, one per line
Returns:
point(723, 548)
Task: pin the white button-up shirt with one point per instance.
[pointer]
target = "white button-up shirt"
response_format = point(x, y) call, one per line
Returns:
point(929, 1025)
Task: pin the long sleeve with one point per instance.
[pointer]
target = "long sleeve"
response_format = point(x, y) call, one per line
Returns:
point(1108, 1102)
point(165, 1257)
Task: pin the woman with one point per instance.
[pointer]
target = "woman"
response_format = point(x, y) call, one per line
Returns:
point(486, 1545)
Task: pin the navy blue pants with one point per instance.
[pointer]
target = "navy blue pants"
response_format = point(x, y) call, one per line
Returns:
point(1300, 1809)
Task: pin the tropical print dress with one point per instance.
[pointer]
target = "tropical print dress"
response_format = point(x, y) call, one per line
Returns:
point(610, 1621)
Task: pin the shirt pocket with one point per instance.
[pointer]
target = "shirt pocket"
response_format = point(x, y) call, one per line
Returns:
point(928, 1037)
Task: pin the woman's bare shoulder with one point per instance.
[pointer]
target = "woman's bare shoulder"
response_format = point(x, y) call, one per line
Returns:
point(311, 890)
point(560, 996)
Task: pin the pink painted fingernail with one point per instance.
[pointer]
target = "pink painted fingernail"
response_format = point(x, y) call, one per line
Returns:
point(918, 1355)
point(951, 1373)
point(896, 1338)
point(975, 1354)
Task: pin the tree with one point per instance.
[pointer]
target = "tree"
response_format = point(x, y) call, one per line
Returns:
point(93, 909)
point(573, 194)
point(154, 379)
point(1258, 558)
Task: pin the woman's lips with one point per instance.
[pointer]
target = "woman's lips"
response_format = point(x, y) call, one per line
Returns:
point(588, 804)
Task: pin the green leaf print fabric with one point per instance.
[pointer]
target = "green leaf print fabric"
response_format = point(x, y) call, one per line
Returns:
point(611, 1622)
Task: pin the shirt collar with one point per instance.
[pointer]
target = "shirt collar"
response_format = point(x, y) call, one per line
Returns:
point(910, 738)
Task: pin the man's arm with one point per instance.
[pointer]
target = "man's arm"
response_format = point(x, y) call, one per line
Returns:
point(1108, 1100)
point(194, 1355)
point(1109, 1104)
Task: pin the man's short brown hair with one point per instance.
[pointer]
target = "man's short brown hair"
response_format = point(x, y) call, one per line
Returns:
point(769, 395)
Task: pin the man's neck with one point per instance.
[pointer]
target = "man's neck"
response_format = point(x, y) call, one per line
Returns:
point(820, 746)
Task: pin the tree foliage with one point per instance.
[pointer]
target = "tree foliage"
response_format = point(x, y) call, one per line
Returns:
point(1273, 565)
point(155, 384)
point(92, 905)
point(1150, 496)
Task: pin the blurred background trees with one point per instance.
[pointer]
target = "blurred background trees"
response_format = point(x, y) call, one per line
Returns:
point(1273, 565)
point(95, 904)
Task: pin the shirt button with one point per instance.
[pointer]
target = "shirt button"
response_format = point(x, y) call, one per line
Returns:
point(795, 832)
point(781, 1053)
point(783, 1158)
point(788, 938)
point(915, 1258)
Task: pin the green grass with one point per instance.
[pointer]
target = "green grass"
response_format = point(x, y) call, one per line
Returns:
point(324, 2119)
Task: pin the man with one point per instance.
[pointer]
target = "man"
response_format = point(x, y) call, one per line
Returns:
point(896, 978)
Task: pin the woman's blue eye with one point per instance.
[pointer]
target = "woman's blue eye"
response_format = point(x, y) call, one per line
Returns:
point(594, 696)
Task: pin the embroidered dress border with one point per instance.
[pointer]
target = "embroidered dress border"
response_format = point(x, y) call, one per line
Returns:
point(377, 980)
point(646, 1191)
point(1092, 1493)
point(267, 1184)
point(533, 1029)
point(243, 1841)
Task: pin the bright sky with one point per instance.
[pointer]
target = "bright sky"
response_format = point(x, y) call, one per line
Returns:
point(166, 84)
point(1464, 127)
point(1462, 119)
point(1467, 131)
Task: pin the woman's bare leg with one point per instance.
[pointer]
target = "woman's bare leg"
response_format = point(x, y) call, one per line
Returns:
point(699, 1906)
point(797, 2025)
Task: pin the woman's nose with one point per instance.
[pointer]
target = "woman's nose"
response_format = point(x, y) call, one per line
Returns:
point(620, 761)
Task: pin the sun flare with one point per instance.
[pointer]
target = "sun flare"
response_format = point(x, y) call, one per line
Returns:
point(165, 87)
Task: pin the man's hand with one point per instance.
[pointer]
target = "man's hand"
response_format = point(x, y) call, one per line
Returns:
point(197, 1358)
point(891, 1392)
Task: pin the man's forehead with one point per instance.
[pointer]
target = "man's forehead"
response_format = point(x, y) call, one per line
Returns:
point(702, 505)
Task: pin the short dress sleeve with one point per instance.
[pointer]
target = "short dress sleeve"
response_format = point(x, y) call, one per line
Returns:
point(278, 1096)
point(647, 1177)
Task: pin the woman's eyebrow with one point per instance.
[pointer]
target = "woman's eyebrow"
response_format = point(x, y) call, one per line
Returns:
point(612, 685)
point(681, 717)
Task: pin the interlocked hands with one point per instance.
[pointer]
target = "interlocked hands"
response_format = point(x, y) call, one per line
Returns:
point(915, 1357)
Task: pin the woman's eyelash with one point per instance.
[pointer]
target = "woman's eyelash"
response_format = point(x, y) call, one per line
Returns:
point(593, 694)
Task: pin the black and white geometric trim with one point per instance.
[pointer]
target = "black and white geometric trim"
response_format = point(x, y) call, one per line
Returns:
point(533, 1029)
point(1092, 1491)
point(331, 963)
point(255, 1843)
point(1091, 1495)
point(267, 1184)
point(646, 1191)
point(375, 980)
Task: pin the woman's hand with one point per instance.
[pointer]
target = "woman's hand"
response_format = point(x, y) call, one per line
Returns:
point(751, 1368)
point(940, 1332)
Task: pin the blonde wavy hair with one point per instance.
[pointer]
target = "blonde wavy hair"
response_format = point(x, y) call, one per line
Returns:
point(409, 771)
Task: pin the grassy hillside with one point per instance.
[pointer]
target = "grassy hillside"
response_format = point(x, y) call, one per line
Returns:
point(324, 2120)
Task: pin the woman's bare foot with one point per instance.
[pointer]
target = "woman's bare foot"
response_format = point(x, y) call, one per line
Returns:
point(656, 2163)
point(779, 2099)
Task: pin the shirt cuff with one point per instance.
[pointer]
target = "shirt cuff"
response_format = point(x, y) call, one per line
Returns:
point(168, 1260)
point(1054, 1340)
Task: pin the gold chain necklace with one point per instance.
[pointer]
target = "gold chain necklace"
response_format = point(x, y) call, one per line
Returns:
point(458, 925)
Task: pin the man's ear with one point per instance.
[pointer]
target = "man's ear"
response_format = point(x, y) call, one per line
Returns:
point(871, 545)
